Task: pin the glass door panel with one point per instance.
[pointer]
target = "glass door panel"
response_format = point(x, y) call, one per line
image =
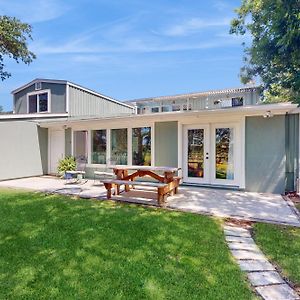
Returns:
point(224, 154)
point(196, 145)
point(195, 161)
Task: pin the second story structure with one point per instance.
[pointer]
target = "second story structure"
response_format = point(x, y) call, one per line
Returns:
point(46, 97)
point(215, 99)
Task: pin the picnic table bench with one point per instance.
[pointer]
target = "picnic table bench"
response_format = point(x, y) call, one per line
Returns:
point(166, 184)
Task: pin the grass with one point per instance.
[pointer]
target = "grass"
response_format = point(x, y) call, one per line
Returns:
point(298, 206)
point(55, 247)
point(282, 245)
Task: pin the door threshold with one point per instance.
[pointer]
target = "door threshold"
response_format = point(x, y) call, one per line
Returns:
point(213, 186)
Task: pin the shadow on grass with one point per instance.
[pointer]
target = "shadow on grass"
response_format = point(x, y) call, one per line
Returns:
point(59, 247)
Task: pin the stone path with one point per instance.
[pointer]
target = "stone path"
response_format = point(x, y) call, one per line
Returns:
point(261, 273)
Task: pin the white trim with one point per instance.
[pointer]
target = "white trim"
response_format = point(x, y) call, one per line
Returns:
point(243, 154)
point(129, 146)
point(89, 147)
point(37, 80)
point(33, 116)
point(237, 112)
point(180, 148)
point(67, 98)
point(39, 92)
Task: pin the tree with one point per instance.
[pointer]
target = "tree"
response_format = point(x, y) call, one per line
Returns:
point(274, 55)
point(14, 36)
point(1, 108)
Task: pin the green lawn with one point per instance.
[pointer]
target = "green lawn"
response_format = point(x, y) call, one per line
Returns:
point(54, 247)
point(282, 245)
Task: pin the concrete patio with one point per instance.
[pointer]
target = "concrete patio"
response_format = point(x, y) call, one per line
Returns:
point(217, 202)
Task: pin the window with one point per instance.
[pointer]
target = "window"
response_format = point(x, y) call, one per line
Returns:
point(155, 109)
point(237, 101)
point(38, 102)
point(187, 107)
point(80, 145)
point(38, 86)
point(176, 107)
point(119, 146)
point(166, 108)
point(99, 147)
point(141, 146)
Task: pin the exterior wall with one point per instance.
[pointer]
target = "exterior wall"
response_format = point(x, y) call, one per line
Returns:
point(265, 154)
point(166, 144)
point(58, 98)
point(68, 142)
point(83, 103)
point(23, 150)
point(43, 144)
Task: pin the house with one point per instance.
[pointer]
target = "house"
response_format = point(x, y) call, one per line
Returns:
point(223, 138)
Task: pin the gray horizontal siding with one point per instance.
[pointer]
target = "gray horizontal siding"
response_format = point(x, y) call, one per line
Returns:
point(83, 103)
point(58, 98)
point(23, 150)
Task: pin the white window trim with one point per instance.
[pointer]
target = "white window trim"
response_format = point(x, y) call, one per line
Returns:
point(38, 104)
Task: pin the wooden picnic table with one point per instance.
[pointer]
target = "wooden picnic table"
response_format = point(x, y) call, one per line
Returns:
point(168, 177)
point(121, 172)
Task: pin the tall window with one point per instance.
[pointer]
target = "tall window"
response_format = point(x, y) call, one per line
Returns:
point(99, 146)
point(141, 146)
point(38, 102)
point(119, 146)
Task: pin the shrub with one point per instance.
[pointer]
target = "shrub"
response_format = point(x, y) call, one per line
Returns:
point(66, 164)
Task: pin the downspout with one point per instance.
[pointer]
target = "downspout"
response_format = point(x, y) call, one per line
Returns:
point(291, 151)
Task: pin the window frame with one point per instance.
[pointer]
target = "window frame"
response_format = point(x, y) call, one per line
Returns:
point(37, 93)
point(129, 141)
point(92, 144)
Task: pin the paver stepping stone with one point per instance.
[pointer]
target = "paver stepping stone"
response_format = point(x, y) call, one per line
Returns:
point(264, 278)
point(237, 233)
point(245, 254)
point(236, 229)
point(261, 273)
point(243, 246)
point(238, 239)
point(255, 265)
point(277, 292)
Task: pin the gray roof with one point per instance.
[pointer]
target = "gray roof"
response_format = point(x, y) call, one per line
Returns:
point(197, 94)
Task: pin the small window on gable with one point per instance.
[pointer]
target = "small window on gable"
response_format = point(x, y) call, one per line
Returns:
point(237, 101)
point(38, 86)
point(38, 102)
point(166, 108)
point(155, 109)
point(176, 107)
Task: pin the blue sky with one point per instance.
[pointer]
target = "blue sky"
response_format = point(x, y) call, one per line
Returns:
point(128, 49)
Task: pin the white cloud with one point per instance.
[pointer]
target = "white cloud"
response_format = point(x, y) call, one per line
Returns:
point(33, 11)
point(193, 25)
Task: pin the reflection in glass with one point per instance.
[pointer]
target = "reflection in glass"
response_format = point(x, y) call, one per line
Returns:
point(32, 101)
point(43, 102)
point(141, 146)
point(119, 146)
point(99, 146)
point(196, 153)
point(224, 153)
